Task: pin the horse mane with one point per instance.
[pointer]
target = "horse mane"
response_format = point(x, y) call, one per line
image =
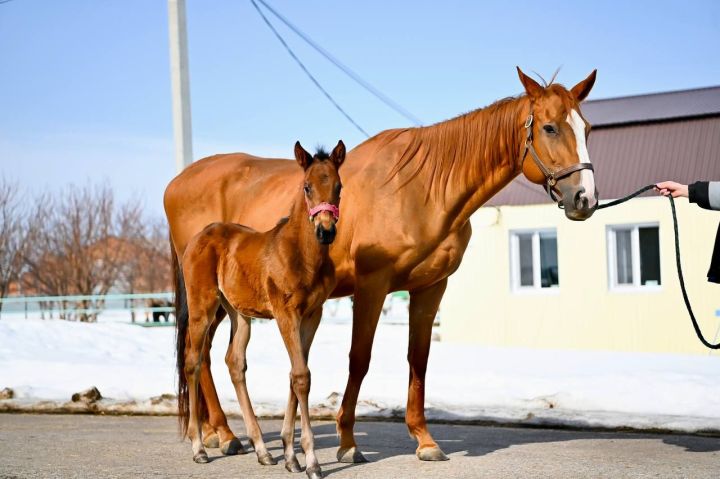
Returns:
point(321, 154)
point(489, 137)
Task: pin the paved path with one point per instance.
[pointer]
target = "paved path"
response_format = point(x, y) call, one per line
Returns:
point(96, 446)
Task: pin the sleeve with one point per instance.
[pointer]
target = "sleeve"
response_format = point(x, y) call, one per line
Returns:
point(706, 194)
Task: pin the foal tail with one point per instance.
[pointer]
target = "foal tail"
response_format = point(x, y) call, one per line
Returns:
point(181, 326)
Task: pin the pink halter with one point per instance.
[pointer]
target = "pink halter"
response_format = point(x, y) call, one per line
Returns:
point(325, 207)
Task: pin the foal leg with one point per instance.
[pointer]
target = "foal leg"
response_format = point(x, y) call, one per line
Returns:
point(423, 308)
point(237, 364)
point(216, 432)
point(215, 427)
point(194, 351)
point(300, 379)
point(307, 333)
point(367, 305)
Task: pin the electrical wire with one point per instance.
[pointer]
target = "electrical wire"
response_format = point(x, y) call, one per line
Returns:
point(344, 68)
point(307, 72)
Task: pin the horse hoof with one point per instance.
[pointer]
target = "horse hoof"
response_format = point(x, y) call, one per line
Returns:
point(431, 454)
point(211, 441)
point(232, 447)
point(201, 457)
point(313, 472)
point(350, 455)
point(292, 465)
point(266, 459)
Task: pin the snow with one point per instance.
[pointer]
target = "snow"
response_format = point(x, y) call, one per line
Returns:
point(49, 360)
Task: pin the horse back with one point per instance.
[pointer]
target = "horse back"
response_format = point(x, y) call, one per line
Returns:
point(226, 188)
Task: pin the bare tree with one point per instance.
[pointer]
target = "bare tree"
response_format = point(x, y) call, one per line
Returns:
point(82, 244)
point(12, 236)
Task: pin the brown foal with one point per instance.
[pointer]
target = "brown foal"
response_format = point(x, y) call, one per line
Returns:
point(285, 273)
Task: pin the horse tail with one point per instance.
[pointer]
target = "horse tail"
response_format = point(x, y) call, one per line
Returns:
point(181, 327)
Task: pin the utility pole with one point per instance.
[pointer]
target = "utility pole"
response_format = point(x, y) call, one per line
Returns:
point(179, 71)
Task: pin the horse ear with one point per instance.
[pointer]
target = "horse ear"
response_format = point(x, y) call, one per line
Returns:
point(582, 89)
point(532, 88)
point(303, 157)
point(338, 154)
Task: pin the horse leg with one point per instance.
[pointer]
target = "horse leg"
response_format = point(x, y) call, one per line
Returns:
point(237, 365)
point(216, 432)
point(199, 325)
point(300, 382)
point(307, 333)
point(423, 308)
point(367, 305)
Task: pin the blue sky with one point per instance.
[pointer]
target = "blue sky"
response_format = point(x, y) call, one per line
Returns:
point(86, 89)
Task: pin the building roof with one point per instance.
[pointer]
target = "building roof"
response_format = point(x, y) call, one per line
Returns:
point(644, 139)
point(651, 107)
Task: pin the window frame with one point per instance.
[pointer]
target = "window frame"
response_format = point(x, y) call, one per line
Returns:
point(515, 273)
point(611, 240)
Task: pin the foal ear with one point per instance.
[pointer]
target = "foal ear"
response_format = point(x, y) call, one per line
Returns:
point(582, 89)
point(303, 157)
point(532, 88)
point(338, 154)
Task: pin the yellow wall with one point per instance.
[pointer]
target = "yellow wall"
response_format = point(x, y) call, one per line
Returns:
point(480, 307)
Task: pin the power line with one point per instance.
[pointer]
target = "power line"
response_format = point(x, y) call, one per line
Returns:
point(349, 72)
point(307, 72)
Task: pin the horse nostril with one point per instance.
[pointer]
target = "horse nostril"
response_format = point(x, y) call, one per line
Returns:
point(325, 236)
point(581, 203)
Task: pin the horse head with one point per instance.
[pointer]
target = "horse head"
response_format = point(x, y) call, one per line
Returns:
point(556, 142)
point(321, 187)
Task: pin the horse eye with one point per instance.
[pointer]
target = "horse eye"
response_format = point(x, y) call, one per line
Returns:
point(549, 129)
point(307, 189)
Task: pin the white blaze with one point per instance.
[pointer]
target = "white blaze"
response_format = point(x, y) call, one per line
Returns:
point(587, 179)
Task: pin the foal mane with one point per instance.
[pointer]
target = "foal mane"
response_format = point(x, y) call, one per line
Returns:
point(321, 153)
point(464, 148)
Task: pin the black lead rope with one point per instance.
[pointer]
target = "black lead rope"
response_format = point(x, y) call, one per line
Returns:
point(677, 258)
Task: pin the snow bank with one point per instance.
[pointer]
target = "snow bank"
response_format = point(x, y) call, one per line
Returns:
point(46, 361)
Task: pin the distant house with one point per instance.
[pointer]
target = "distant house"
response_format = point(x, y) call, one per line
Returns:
point(531, 278)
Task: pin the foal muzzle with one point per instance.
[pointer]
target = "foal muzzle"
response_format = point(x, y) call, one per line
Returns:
point(325, 235)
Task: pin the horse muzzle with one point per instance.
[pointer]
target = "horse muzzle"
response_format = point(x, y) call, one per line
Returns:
point(325, 235)
point(577, 204)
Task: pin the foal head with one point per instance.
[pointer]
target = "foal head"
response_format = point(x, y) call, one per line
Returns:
point(321, 187)
point(558, 132)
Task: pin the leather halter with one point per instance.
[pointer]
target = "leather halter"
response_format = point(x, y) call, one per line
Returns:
point(551, 177)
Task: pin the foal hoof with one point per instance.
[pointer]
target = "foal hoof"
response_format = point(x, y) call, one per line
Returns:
point(201, 457)
point(211, 441)
point(431, 454)
point(313, 472)
point(232, 447)
point(266, 459)
point(292, 465)
point(350, 455)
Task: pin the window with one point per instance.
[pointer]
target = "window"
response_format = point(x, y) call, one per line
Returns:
point(534, 261)
point(633, 256)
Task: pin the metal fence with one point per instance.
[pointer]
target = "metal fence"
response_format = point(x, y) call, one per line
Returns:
point(154, 305)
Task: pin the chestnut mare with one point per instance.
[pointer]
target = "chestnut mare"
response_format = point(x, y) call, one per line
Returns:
point(406, 208)
point(285, 273)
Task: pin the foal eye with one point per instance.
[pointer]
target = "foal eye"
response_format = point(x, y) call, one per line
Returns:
point(307, 189)
point(549, 129)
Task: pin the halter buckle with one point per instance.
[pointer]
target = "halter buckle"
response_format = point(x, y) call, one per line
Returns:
point(551, 181)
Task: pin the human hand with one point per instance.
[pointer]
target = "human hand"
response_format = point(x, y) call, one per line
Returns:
point(667, 188)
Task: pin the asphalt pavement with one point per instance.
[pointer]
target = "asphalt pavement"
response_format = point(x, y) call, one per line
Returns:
point(79, 446)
